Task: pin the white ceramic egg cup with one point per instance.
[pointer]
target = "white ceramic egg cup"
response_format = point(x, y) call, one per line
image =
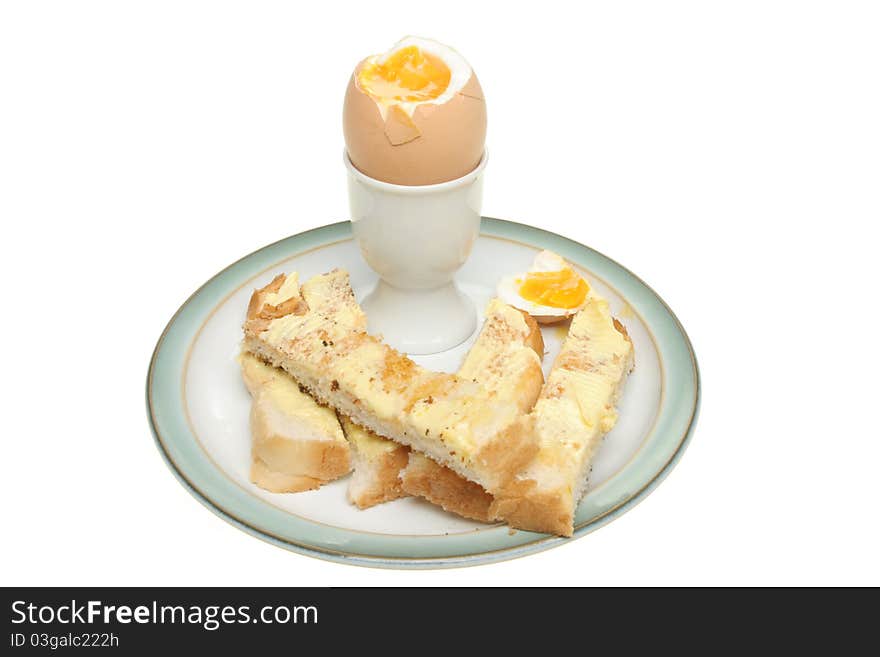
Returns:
point(416, 238)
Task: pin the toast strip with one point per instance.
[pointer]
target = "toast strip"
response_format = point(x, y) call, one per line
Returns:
point(296, 444)
point(377, 465)
point(506, 360)
point(457, 422)
point(574, 412)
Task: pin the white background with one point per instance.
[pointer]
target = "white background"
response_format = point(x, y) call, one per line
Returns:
point(727, 152)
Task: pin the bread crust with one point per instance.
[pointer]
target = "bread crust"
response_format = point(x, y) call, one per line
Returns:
point(377, 480)
point(279, 482)
point(325, 460)
point(524, 506)
point(441, 486)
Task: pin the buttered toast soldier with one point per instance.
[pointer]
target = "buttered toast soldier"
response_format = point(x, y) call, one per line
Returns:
point(506, 360)
point(574, 412)
point(296, 444)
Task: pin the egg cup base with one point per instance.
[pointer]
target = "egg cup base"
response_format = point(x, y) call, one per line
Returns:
point(421, 321)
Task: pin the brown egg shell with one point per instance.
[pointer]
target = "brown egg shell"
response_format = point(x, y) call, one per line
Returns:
point(547, 320)
point(439, 143)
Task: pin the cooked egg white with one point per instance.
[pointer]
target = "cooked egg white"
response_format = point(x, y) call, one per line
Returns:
point(414, 72)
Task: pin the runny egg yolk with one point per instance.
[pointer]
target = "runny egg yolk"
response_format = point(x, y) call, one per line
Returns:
point(557, 289)
point(408, 75)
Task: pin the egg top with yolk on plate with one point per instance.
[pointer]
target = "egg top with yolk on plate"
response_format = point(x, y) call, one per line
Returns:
point(550, 291)
point(414, 115)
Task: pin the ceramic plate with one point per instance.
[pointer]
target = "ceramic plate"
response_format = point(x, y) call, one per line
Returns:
point(198, 407)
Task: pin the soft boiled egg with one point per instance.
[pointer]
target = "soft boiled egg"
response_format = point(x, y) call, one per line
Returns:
point(550, 291)
point(415, 115)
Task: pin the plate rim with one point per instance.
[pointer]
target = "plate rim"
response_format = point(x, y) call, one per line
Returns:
point(490, 227)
